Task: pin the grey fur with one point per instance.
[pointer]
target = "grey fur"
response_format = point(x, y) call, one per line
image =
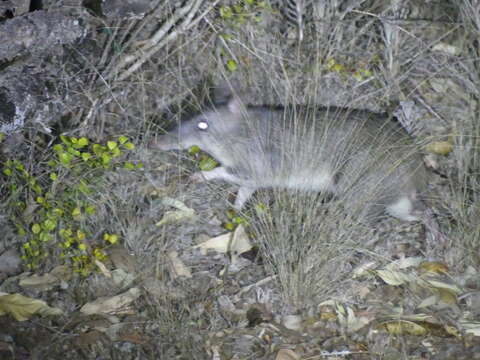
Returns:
point(367, 159)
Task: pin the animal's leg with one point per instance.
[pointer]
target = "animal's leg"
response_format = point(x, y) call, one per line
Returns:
point(215, 174)
point(402, 209)
point(244, 193)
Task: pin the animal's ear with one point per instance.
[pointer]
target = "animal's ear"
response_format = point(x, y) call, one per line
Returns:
point(235, 105)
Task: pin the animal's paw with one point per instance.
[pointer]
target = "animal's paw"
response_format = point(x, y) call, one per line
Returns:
point(197, 177)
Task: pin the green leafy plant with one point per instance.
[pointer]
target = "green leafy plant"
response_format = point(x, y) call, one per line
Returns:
point(53, 209)
point(205, 162)
point(234, 220)
point(241, 12)
point(235, 17)
point(359, 72)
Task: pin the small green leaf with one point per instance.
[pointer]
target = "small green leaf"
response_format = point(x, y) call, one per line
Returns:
point(58, 148)
point(82, 142)
point(229, 226)
point(140, 165)
point(239, 220)
point(231, 65)
point(83, 187)
point(21, 231)
point(36, 228)
point(44, 236)
point(129, 146)
point(111, 238)
point(49, 224)
point(53, 176)
point(65, 158)
point(207, 164)
point(90, 209)
point(122, 139)
point(40, 199)
point(106, 158)
point(231, 213)
point(57, 212)
point(129, 166)
point(65, 140)
point(81, 235)
point(111, 145)
point(7, 172)
point(73, 151)
point(37, 188)
point(116, 152)
point(63, 233)
point(193, 150)
point(366, 72)
point(226, 12)
point(19, 166)
point(97, 149)
point(357, 76)
point(86, 156)
point(76, 212)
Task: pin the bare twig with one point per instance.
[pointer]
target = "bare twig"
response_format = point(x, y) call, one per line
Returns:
point(160, 38)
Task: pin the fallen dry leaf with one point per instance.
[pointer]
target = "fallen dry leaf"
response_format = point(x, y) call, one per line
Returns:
point(174, 216)
point(287, 354)
point(433, 267)
point(403, 327)
point(39, 282)
point(178, 267)
point(440, 147)
point(395, 278)
point(471, 327)
point(23, 308)
point(347, 318)
point(119, 304)
point(103, 269)
point(236, 242)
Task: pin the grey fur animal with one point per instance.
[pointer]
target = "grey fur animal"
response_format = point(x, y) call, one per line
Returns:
point(365, 158)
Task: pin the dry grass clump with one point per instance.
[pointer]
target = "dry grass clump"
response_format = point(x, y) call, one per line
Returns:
point(310, 243)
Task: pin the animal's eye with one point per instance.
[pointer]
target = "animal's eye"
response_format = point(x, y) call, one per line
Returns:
point(202, 125)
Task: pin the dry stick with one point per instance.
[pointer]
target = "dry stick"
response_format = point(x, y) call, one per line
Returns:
point(132, 36)
point(191, 8)
point(156, 37)
point(160, 34)
point(109, 43)
point(143, 57)
point(114, 57)
point(113, 61)
point(186, 24)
